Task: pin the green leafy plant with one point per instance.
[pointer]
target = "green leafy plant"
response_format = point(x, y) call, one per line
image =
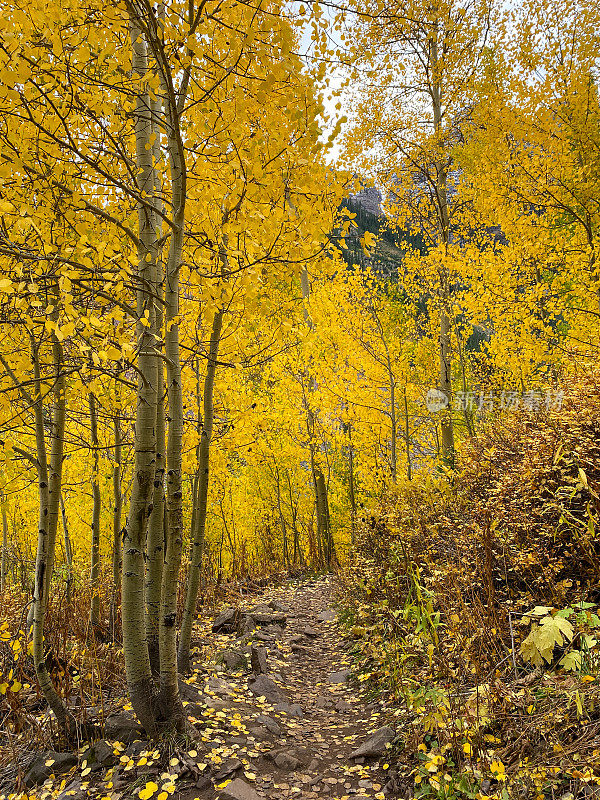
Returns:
point(550, 628)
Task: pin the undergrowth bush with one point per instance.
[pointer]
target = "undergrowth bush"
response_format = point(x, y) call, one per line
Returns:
point(472, 603)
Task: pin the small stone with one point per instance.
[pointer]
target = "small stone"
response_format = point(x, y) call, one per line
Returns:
point(339, 677)
point(273, 630)
point(300, 648)
point(342, 705)
point(258, 660)
point(137, 748)
point(188, 692)
point(239, 790)
point(261, 636)
point(263, 685)
point(100, 754)
point(291, 709)
point(259, 732)
point(375, 745)
point(39, 771)
point(233, 660)
point(270, 724)
point(263, 619)
point(310, 632)
point(226, 621)
point(286, 761)
point(218, 685)
point(227, 768)
point(122, 728)
point(327, 615)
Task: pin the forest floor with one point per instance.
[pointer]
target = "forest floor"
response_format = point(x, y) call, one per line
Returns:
point(290, 733)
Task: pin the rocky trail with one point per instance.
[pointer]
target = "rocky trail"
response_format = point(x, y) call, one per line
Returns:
point(275, 716)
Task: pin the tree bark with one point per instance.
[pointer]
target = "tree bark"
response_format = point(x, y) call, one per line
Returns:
point(68, 547)
point(324, 533)
point(407, 438)
point(4, 562)
point(117, 533)
point(155, 542)
point(170, 704)
point(49, 494)
point(197, 543)
point(446, 388)
point(351, 493)
point(445, 371)
point(95, 554)
point(135, 647)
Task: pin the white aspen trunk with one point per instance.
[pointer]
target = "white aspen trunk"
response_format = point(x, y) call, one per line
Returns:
point(198, 534)
point(445, 371)
point(135, 647)
point(286, 555)
point(394, 459)
point(170, 703)
point(68, 547)
point(407, 438)
point(50, 489)
point(463, 375)
point(324, 533)
point(4, 563)
point(42, 470)
point(95, 554)
point(351, 492)
point(117, 512)
point(155, 543)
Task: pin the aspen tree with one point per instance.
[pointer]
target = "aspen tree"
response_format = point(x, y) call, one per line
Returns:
point(201, 499)
point(116, 527)
point(420, 65)
point(4, 560)
point(135, 647)
point(97, 507)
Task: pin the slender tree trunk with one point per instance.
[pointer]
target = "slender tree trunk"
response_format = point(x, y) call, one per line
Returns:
point(171, 706)
point(4, 563)
point(68, 547)
point(50, 489)
point(197, 540)
point(298, 554)
point(155, 542)
point(463, 375)
point(352, 496)
point(407, 438)
point(324, 533)
point(117, 532)
point(393, 420)
point(445, 372)
point(135, 647)
point(42, 470)
point(286, 555)
point(446, 388)
point(95, 557)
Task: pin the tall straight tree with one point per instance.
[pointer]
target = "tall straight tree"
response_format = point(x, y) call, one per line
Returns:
point(415, 68)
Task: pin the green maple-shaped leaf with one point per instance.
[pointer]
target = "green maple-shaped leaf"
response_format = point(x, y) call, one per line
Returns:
point(571, 661)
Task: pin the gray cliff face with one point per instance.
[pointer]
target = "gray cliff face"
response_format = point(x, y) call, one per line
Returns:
point(369, 199)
